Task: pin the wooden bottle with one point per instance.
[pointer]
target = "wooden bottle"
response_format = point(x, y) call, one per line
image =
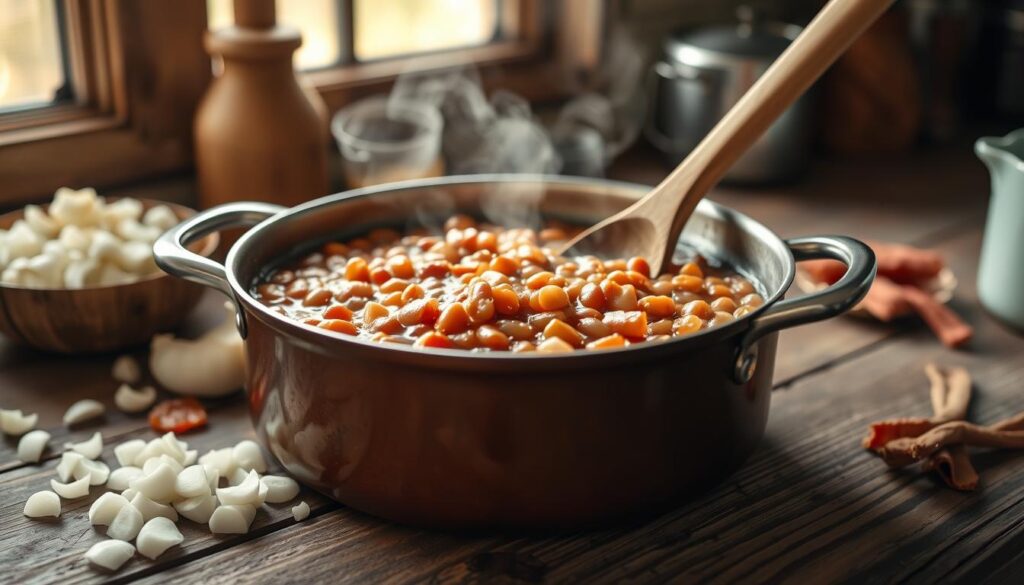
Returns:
point(258, 135)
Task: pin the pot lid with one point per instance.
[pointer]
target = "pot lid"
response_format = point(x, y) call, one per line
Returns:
point(747, 41)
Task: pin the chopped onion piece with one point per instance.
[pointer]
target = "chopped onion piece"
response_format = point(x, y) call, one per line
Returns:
point(173, 447)
point(197, 509)
point(191, 456)
point(121, 477)
point(91, 448)
point(14, 423)
point(97, 471)
point(32, 445)
point(126, 524)
point(164, 459)
point(156, 536)
point(83, 410)
point(300, 512)
point(110, 554)
point(153, 449)
point(158, 484)
point(150, 509)
point(129, 494)
point(73, 490)
point(192, 482)
point(129, 399)
point(126, 370)
point(280, 489)
point(68, 462)
point(237, 476)
point(222, 459)
point(41, 504)
point(105, 508)
point(232, 519)
point(246, 492)
point(249, 456)
point(127, 452)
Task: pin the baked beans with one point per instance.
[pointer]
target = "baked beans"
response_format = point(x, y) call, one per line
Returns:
point(484, 288)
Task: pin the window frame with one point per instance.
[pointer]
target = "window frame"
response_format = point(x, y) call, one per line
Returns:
point(139, 71)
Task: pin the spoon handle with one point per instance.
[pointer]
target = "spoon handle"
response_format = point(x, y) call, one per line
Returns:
point(818, 46)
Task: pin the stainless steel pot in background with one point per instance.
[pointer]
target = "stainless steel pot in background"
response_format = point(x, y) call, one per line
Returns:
point(702, 73)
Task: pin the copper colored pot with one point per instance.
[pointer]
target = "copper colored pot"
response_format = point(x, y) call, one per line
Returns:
point(457, 439)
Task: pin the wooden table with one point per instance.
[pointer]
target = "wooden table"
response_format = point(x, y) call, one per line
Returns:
point(809, 506)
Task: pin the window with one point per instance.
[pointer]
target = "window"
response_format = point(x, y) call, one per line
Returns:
point(317, 19)
point(31, 65)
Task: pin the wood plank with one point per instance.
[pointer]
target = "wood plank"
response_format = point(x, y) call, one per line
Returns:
point(47, 551)
point(810, 505)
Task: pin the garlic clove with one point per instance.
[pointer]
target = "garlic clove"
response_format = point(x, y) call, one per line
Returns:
point(280, 489)
point(90, 449)
point(105, 508)
point(32, 445)
point(40, 222)
point(237, 476)
point(160, 216)
point(42, 504)
point(158, 484)
point(248, 455)
point(198, 509)
point(96, 471)
point(191, 456)
point(222, 459)
point(130, 400)
point(213, 475)
point(300, 512)
point(126, 208)
point(126, 524)
point(156, 536)
point(213, 365)
point(68, 461)
point(192, 482)
point(14, 423)
point(121, 477)
point(127, 452)
point(171, 461)
point(246, 492)
point(150, 509)
point(71, 491)
point(261, 494)
point(126, 370)
point(129, 494)
point(173, 447)
point(110, 554)
point(231, 519)
point(153, 449)
point(82, 411)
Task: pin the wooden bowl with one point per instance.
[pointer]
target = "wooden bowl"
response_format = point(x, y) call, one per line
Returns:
point(101, 318)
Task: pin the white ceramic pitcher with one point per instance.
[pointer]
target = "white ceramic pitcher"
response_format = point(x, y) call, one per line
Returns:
point(1001, 269)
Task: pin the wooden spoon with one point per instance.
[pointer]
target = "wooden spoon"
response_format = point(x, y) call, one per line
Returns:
point(651, 226)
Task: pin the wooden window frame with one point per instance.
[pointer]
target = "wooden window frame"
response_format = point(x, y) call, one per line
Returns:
point(139, 71)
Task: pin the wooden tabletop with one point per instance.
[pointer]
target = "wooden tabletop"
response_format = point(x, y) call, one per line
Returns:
point(809, 506)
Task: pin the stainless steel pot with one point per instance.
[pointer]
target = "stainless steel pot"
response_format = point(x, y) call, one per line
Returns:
point(702, 74)
point(458, 439)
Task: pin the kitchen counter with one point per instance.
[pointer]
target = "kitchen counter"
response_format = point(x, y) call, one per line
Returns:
point(809, 506)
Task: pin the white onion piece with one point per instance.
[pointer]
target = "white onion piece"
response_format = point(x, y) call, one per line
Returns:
point(222, 459)
point(82, 411)
point(14, 423)
point(105, 508)
point(212, 475)
point(32, 445)
point(192, 482)
point(197, 509)
point(261, 495)
point(158, 484)
point(249, 456)
point(40, 222)
point(91, 448)
point(154, 448)
point(97, 471)
point(160, 216)
point(130, 400)
point(237, 476)
point(127, 452)
point(126, 369)
point(172, 446)
point(156, 536)
point(163, 459)
point(110, 554)
point(126, 524)
point(280, 489)
point(41, 504)
point(231, 519)
point(129, 494)
point(300, 512)
point(150, 509)
point(246, 492)
point(71, 491)
point(191, 456)
point(122, 477)
point(68, 461)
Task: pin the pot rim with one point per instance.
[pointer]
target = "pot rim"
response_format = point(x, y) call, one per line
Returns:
point(320, 340)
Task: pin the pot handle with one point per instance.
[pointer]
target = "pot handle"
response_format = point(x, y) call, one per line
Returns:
point(173, 256)
point(829, 302)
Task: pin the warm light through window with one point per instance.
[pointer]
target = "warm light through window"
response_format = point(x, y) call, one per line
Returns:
point(31, 69)
point(385, 28)
point(317, 19)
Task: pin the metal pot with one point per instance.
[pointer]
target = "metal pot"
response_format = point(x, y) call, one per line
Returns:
point(702, 74)
point(457, 439)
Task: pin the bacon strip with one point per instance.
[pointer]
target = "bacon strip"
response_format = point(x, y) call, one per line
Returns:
point(906, 264)
point(946, 325)
point(954, 467)
point(903, 452)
